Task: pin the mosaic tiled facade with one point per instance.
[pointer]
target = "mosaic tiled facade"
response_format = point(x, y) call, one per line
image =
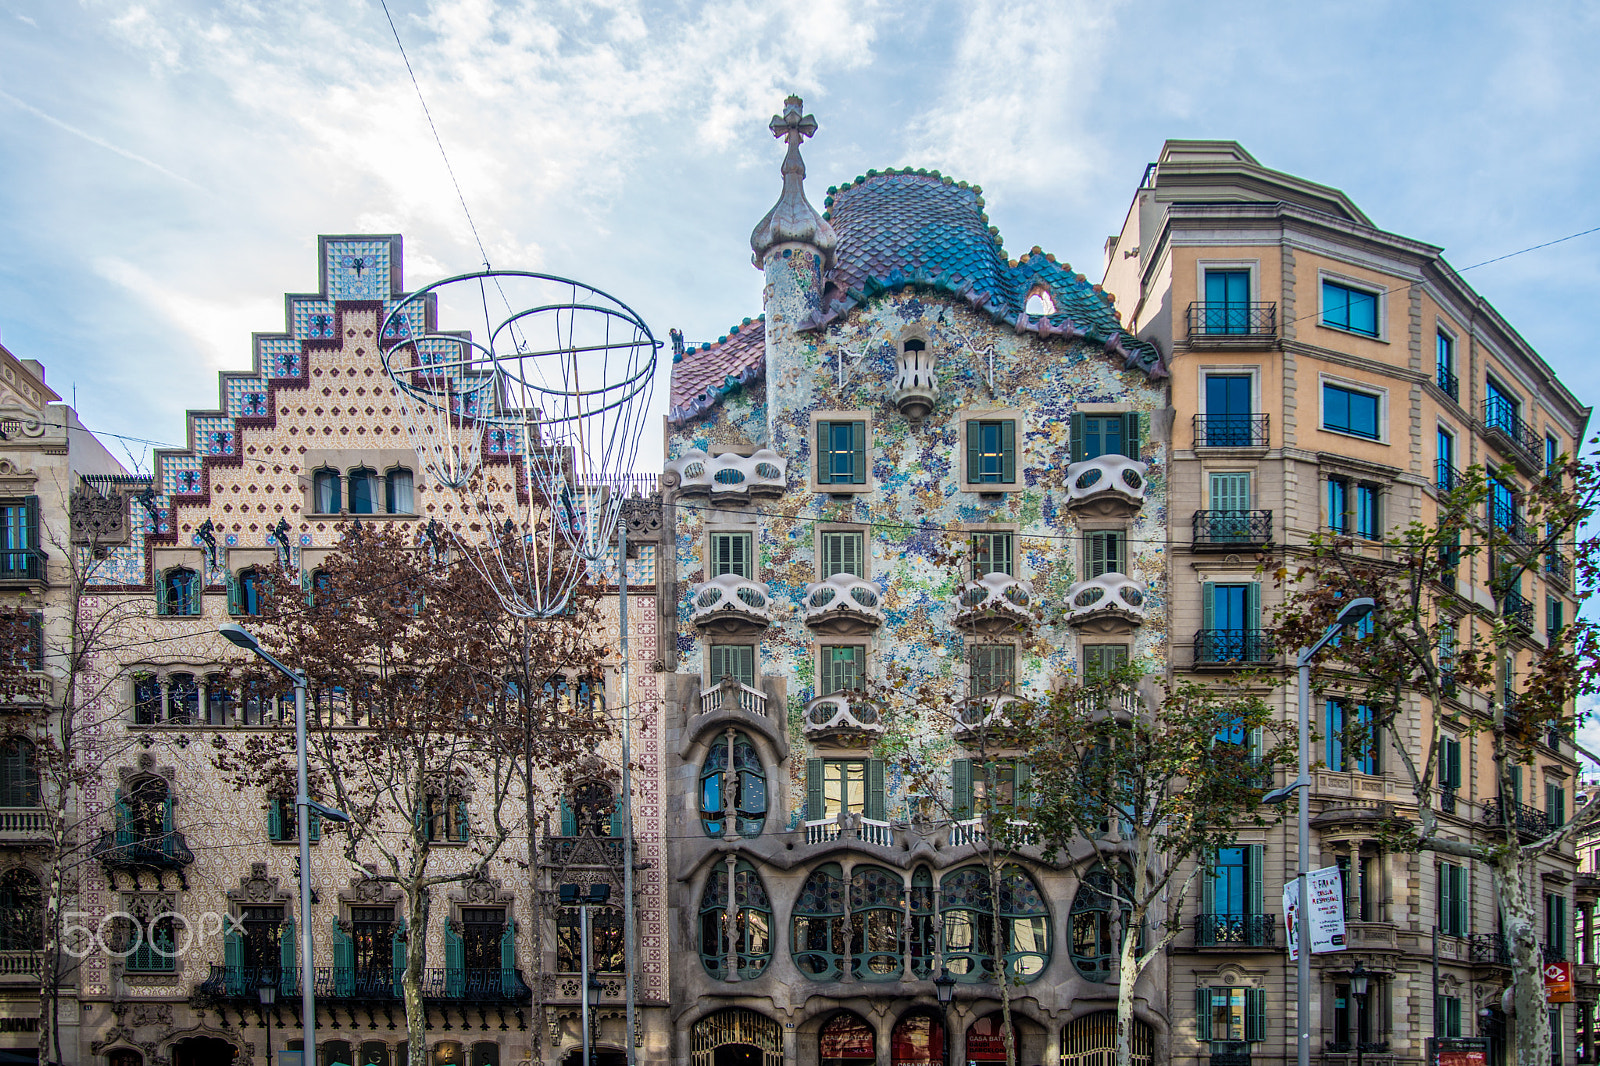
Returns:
point(898, 317)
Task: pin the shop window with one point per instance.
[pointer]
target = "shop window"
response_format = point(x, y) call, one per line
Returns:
point(847, 1040)
point(917, 1040)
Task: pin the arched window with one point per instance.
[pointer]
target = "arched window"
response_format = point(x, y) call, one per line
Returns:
point(397, 496)
point(744, 790)
point(21, 911)
point(816, 934)
point(179, 593)
point(485, 1054)
point(923, 935)
point(877, 911)
point(183, 699)
point(986, 1039)
point(1092, 1039)
point(220, 700)
point(362, 490)
point(847, 1040)
point(325, 492)
point(259, 704)
point(147, 811)
point(446, 818)
point(19, 773)
point(1095, 926)
point(917, 1040)
point(249, 592)
point(750, 929)
point(970, 937)
point(146, 699)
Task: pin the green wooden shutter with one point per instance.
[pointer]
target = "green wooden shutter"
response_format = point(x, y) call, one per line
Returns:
point(1463, 903)
point(1255, 855)
point(1076, 437)
point(875, 797)
point(974, 450)
point(508, 958)
point(1208, 886)
point(1252, 605)
point(397, 955)
point(1022, 787)
point(1516, 783)
point(616, 821)
point(314, 828)
point(286, 957)
point(1451, 775)
point(344, 961)
point(233, 960)
point(233, 593)
point(1255, 1014)
point(166, 815)
point(455, 963)
point(1008, 449)
point(824, 475)
point(569, 819)
point(31, 518)
point(1202, 1012)
point(195, 586)
point(858, 462)
point(1208, 605)
point(814, 799)
point(274, 821)
point(1099, 543)
point(961, 787)
point(1130, 435)
point(463, 823)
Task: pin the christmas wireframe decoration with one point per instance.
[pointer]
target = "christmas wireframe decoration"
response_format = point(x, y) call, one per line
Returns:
point(553, 380)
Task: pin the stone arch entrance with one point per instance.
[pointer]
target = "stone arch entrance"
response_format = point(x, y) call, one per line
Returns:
point(736, 1038)
point(1092, 1041)
point(203, 1051)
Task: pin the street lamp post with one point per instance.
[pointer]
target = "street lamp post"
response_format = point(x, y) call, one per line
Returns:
point(241, 637)
point(944, 986)
point(1358, 991)
point(589, 984)
point(1353, 612)
point(268, 993)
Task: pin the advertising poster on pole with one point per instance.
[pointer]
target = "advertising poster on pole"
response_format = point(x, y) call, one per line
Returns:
point(1327, 912)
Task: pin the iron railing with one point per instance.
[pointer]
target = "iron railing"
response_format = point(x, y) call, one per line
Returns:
point(1231, 1057)
point(1232, 529)
point(1518, 610)
point(1220, 647)
point(1447, 384)
point(1500, 418)
point(1255, 321)
point(1557, 566)
point(121, 849)
point(1230, 431)
point(1490, 948)
point(24, 564)
point(1445, 476)
point(1235, 930)
point(1447, 801)
point(1553, 952)
point(488, 985)
point(1531, 822)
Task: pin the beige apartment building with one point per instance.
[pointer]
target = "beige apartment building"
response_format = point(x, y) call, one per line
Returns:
point(1331, 375)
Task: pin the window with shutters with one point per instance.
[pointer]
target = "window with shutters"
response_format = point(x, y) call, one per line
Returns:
point(1449, 772)
point(994, 668)
point(481, 931)
point(991, 452)
point(1101, 660)
point(1454, 904)
point(1554, 619)
point(19, 773)
point(841, 552)
point(1105, 552)
point(148, 936)
point(737, 661)
point(844, 787)
point(444, 818)
point(1357, 1020)
point(1555, 926)
point(1094, 435)
point(732, 784)
point(283, 826)
point(731, 553)
point(594, 810)
point(840, 668)
point(1555, 804)
point(993, 553)
point(1232, 900)
point(248, 592)
point(1231, 1013)
point(841, 452)
point(178, 592)
point(1448, 1011)
point(21, 911)
point(262, 946)
point(605, 940)
point(1003, 786)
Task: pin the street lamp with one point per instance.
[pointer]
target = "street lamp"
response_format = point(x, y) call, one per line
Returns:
point(1358, 990)
point(242, 638)
point(1353, 612)
point(269, 995)
point(944, 986)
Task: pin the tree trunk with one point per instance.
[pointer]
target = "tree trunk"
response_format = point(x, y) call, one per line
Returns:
point(50, 955)
point(1127, 977)
point(1531, 1023)
point(411, 979)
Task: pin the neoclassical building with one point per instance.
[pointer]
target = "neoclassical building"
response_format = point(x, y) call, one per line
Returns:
point(909, 395)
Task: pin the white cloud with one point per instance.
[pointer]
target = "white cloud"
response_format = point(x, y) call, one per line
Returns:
point(220, 327)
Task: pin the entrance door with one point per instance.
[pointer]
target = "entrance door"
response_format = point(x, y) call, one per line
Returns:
point(202, 1051)
point(1092, 1041)
point(736, 1055)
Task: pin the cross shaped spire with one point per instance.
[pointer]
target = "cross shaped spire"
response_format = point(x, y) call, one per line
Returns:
point(792, 127)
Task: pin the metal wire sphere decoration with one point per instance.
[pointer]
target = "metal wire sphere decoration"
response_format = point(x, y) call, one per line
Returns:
point(554, 381)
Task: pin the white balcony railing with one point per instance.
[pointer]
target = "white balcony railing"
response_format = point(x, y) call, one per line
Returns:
point(972, 831)
point(23, 823)
point(732, 694)
point(866, 830)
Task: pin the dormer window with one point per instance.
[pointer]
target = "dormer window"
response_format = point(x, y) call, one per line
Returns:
point(325, 491)
point(1040, 303)
point(363, 490)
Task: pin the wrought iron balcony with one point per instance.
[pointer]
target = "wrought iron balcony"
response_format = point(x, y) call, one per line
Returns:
point(1235, 930)
point(1232, 647)
point(1489, 948)
point(1518, 610)
point(123, 849)
point(995, 601)
point(729, 476)
point(490, 985)
point(1558, 567)
point(1446, 476)
point(1501, 420)
point(1230, 431)
point(1219, 323)
point(1231, 530)
point(23, 566)
point(1447, 383)
point(1531, 822)
point(733, 694)
point(1112, 484)
point(242, 982)
point(1553, 952)
point(1232, 1057)
point(1447, 801)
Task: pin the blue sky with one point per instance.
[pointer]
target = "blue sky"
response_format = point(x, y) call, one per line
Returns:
point(168, 164)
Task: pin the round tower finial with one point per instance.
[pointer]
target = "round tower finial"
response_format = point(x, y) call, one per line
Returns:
point(793, 219)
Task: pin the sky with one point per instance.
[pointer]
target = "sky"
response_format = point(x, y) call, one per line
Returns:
point(166, 165)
